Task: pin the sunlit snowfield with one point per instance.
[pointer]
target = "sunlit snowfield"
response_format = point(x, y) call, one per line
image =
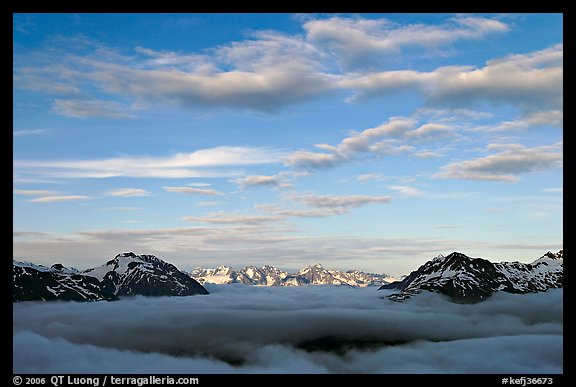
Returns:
point(316, 329)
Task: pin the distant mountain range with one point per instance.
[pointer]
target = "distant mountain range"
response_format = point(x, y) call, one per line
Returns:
point(272, 276)
point(463, 279)
point(470, 280)
point(127, 274)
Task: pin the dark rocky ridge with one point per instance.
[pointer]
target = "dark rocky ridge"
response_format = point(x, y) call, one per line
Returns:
point(470, 280)
point(127, 274)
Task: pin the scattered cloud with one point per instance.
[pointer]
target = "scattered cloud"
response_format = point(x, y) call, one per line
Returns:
point(127, 192)
point(553, 190)
point(78, 108)
point(269, 70)
point(426, 154)
point(370, 177)
point(258, 180)
point(28, 132)
point(532, 81)
point(553, 118)
point(272, 181)
point(406, 190)
point(339, 201)
point(266, 90)
point(357, 143)
point(299, 213)
point(30, 234)
point(360, 43)
point(510, 161)
point(201, 163)
point(35, 192)
point(59, 199)
point(223, 218)
point(312, 160)
point(48, 196)
point(193, 191)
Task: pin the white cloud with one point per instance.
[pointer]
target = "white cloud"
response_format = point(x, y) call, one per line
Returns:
point(223, 218)
point(432, 131)
point(59, 199)
point(390, 138)
point(35, 192)
point(349, 147)
point(359, 42)
point(532, 82)
point(553, 190)
point(127, 192)
point(193, 191)
point(202, 163)
point(370, 177)
point(339, 201)
point(544, 118)
point(406, 190)
point(258, 180)
point(426, 154)
point(511, 160)
point(312, 160)
point(28, 132)
point(267, 89)
point(79, 108)
point(48, 196)
point(299, 213)
point(265, 71)
point(273, 181)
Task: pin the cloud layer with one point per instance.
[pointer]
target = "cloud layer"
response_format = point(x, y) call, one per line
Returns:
point(239, 329)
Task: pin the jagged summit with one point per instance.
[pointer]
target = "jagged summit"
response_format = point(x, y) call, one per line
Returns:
point(558, 255)
point(456, 255)
point(271, 276)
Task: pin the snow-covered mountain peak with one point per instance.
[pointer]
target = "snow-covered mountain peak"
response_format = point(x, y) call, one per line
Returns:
point(558, 255)
point(550, 259)
point(439, 257)
point(271, 276)
point(466, 279)
point(62, 269)
point(127, 274)
point(130, 274)
point(26, 264)
point(456, 255)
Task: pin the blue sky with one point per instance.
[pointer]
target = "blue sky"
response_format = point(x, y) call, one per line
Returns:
point(369, 141)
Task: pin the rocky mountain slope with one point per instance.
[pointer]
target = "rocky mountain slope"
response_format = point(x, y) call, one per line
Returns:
point(40, 283)
point(469, 280)
point(127, 274)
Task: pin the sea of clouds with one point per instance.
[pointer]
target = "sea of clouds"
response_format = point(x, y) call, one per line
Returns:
point(315, 329)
